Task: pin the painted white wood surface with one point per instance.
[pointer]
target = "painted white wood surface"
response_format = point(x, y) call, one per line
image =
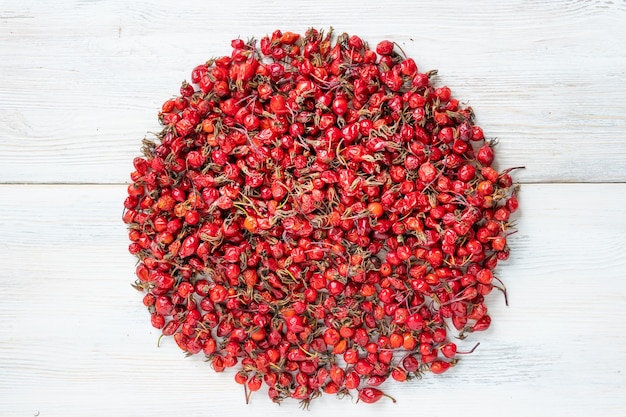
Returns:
point(76, 341)
point(80, 84)
point(81, 81)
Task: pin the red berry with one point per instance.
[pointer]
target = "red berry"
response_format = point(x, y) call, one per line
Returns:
point(384, 48)
point(310, 199)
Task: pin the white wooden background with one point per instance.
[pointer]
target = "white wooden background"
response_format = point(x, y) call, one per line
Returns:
point(80, 85)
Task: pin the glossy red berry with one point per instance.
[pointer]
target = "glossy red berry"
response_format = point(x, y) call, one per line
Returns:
point(318, 215)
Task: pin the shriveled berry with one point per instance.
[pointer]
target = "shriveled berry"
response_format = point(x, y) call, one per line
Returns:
point(312, 202)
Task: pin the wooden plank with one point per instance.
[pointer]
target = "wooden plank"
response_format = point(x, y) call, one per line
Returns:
point(80, 82)
point(75, 339)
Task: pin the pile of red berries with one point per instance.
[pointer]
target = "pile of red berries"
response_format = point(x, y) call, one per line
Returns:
point(318, 214)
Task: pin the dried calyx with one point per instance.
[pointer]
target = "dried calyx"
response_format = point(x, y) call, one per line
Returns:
point(318, 214)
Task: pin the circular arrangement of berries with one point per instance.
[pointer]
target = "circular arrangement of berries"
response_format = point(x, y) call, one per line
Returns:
point(318, 215)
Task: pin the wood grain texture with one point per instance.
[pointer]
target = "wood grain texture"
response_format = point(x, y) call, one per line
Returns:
point(81, 81)
point(76, 341)
point(80, 85)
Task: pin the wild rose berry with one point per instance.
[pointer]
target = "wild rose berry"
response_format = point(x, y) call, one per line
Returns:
point(310, 199)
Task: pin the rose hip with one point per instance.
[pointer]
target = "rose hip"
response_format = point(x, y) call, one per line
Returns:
point(372, 395)
point(312, 202)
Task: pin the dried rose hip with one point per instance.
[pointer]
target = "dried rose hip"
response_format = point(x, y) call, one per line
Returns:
point(320, 215)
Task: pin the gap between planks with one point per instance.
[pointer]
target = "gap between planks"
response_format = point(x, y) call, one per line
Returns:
point(110, 184)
